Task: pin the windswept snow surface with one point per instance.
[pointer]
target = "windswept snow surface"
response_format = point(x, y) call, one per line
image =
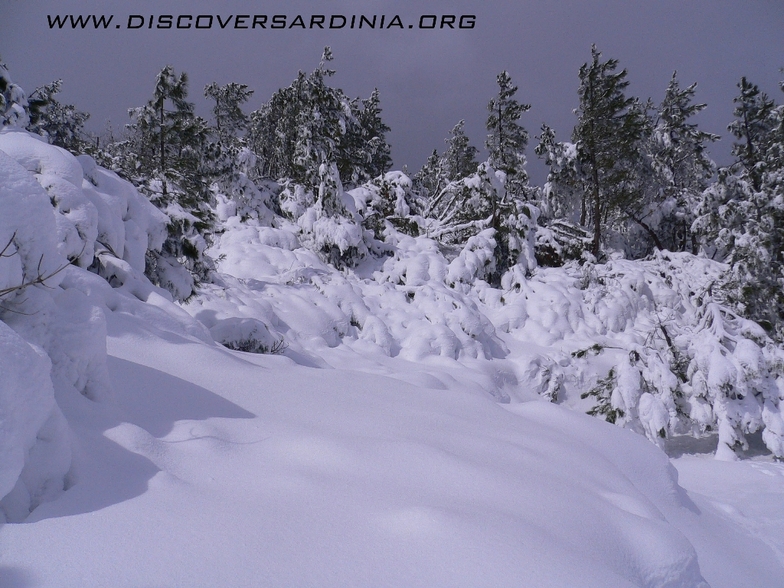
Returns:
point(399, 440)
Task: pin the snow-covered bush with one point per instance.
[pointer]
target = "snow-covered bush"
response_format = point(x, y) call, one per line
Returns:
point(389, 200)
point(60, 216)
point(654, 349)
point(13, 102)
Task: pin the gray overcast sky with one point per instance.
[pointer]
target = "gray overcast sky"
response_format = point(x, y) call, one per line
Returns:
point(428, 79)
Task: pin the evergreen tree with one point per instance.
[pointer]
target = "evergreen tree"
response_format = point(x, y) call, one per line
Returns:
point(682, 170)
point(370, 152)
point(230, 121)
point(457, 162)
point(459, 159)
point(607, 138)
point(226, 134)
point(273, 132)
point(164, 156)
point(507, 140)
point(310, 123)
point(563, 192)
point(494, 196)
point(166, 142)
point(755, 127)
point(229, 158)
point(13, 102)
point(559, 237)
point(742, 214)
point(429, 180)
point(61, 124)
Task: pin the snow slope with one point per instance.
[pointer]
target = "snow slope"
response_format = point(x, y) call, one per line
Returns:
point(212, 467)
point(400, 439)
point(217, 468)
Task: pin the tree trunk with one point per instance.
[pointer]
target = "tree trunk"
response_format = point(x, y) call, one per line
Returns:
point(163, 152)
point(656, 241)
point(597, 209)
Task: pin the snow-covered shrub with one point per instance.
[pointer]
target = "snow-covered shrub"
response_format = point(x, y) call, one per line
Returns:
point(389, 200)
point(654, 349)
point(560, 241)
point(466, 207)
point(246, 334)
point(328, 221)
point(13, 102)
point(237, 195)
point(60, 216)
point(476, 261)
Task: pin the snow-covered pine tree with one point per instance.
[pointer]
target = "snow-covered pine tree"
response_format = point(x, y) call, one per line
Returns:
point(456, 163)
point(460, 208)
point(514, 218)
point(742, 215)
point(320, 125)
point(757, 128)
point(164, 157)
point(61, 124)
point(309, 122)
point(649, 181)
point(494, 196)
point(681, 168)
point(507, 139)
point(608, 139)
point(459, 159)
point(230, 122)
point(308, 137)
point(363, 152)
point(13, 101)
point(428, 181)
point(560, 236)
point(272, 132)
point(230, 161)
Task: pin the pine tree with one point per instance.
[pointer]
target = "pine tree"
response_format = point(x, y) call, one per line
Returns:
point(681, 168)
point(230, 161)
point(230, 121)
point(371, 154)
point(563, 191)
point(459, 159)
point(164, 156)
point(507, 140)
point(559, 237)
point(226, 135)
point(13, 102)
point(742, 214)
point(429, 180)
point(492, 197)
point(456, 163)
point(310, 123)
point(166, 143)
point(755, 126)
point(607, 138)
point(61, 124)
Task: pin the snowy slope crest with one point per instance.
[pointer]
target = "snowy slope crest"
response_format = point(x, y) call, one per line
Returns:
point(59, 216)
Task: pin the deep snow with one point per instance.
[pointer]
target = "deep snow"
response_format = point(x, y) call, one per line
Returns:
point(402, 437)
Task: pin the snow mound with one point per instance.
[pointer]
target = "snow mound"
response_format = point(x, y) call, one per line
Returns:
point(59, 216)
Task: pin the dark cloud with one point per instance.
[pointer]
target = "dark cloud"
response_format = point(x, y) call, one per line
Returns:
point(428, 79)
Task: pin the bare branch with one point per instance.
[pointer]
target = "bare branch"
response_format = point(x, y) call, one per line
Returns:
point(39, 279)
point(7, 245)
